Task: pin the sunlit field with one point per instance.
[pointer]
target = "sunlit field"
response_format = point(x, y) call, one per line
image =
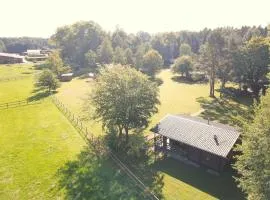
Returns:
point(37, 140)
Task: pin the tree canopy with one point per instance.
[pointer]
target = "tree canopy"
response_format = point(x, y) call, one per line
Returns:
point(254, 161)
point(152, 62)
point(183, 65)
point(46, 79)
point(251, 63)
point(185, 49)
point(124, 98)
point(55, 63)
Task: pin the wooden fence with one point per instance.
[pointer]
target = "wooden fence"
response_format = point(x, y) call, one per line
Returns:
point(97, 144)
point(14, 104)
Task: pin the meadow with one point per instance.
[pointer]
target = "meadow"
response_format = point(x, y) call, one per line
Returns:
point(37, 140)
point(180, 182)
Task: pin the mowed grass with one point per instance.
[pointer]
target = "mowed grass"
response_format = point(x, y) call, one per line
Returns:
point(180, 181)
point(17, 88)
point(36, 140)
point(175, 98)
point(16, 71)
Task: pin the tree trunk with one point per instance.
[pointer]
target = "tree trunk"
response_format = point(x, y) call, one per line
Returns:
point(126, 131)
point(120, 131)
point(223, 82)
point(212, 82)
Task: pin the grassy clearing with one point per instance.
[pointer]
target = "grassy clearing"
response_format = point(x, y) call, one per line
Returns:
point(17, 89)
point(38, 140)
point(38, 143)
point(180, 181)
point(175, 98)
point(15, 71)
point(185, 182)
point(35, 141)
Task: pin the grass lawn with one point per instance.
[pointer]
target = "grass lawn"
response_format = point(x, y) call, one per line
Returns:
point(185, 182)
point(16, 71)
point(35, 142)
point(180, 181)
point(17, 89)
point(175, 98)
point(38, 142)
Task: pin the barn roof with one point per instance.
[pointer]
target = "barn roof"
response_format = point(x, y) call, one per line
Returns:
point(10, 55)
point(215, 138)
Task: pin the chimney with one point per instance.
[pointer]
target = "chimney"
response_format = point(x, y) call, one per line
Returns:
point(216, 139)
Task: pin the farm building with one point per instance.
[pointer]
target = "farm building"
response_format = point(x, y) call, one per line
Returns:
point(195, 139)
point(66, 77)
point(8, 58)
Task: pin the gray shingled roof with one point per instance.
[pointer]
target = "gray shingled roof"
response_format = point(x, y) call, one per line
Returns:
point(197, 133)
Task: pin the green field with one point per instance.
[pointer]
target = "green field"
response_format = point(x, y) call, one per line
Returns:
point(175, 98)
point(37, 140)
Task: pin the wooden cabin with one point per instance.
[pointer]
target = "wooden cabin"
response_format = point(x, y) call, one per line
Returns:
point(205, 143)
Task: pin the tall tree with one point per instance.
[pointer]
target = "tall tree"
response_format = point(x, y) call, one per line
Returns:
point(185, 50)
point(55, 63)
point(124, 98)
point(130, 60)
point(76, 40)
point(254, 161)
point(119, 56)
point(251, 63)
point(119, 38)
point(140, 52)
point(212, 57)
point(91, 59)
point(183, 65)
point(105, 52)
point(47, 79)
point(152, 62)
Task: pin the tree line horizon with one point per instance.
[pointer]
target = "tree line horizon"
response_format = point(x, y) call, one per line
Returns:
point(222, 53)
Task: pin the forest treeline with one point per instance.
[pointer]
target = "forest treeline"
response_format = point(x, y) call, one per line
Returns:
point(240, 55)
point(230, 54)
point(21, 44)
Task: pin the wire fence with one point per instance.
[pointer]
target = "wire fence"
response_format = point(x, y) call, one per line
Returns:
point(96, 143)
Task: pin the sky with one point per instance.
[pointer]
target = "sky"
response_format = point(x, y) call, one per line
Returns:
point(40, 18)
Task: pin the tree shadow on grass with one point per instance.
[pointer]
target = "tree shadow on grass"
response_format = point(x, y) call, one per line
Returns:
point(221, 187)
point(39, 94)
point(226, 111)
point(183, 79)
point(97, 177)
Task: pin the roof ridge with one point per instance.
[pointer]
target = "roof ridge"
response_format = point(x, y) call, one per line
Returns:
point(177, 116)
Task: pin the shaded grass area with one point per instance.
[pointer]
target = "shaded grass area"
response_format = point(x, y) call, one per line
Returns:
point(35, 141)
point(92, 177)
point(227, 111)
point(186, 182)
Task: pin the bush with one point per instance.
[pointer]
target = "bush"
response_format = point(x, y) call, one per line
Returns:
point(48, 80)
point(198, 77)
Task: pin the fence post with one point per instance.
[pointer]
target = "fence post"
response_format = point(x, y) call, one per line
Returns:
point(7, 105)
